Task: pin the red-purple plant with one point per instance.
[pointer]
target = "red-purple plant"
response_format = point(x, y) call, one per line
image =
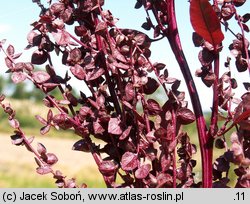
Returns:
point(145, 148)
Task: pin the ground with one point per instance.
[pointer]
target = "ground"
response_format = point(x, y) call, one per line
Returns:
point(17, 162)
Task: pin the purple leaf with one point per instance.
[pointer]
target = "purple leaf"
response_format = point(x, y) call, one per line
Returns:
point(43, 170)
point(151, 136)
point(197, 39)
point(58, 175)
point(41, 149)
point(19, 66)
point(130, 92)
point(185, 116)
point(64, 102)
point(170, 80)
point(146, 26)
point(16, 56)
point(98, 129)
point(221, 164)
point(78, 72)
point(129, 161)
point(246, 17)
point(56, 8)
point(159, 66)
point(101, 28)
point(49, 116)
point(32, 35)
point(41, 120)
point(2, 97)
point(151, 86)
point(61, 37)
point(51, 158)
point(27, 145)
point(10, 50)
point(40, 77)
point(45, 129)
point(29, 67)
point(16, 139)
point(81, 145)
point(153, 107)
point(18, 77)
point(62, 121)
point(50, 86)
point(14, 123)
point(75, 55)
point(8, 63)
point(2, 42)
point(143, 171)
point(108, 168)
point(237, 149)
point(39, 57)
point(160, 132)
point(85, 110)
point(138, 4)
point(96, 73)
point(117, 55)
point(114, 126)
point(125, 133)
point(100, 100)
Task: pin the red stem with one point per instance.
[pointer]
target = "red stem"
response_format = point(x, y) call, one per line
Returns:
point(173, 153)
point(100, 47)
point(215, 108)
point(175, 43)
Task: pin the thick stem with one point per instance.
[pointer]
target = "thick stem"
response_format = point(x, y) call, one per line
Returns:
point(175, 43)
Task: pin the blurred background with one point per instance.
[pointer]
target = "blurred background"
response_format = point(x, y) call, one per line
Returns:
point(17, 165)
